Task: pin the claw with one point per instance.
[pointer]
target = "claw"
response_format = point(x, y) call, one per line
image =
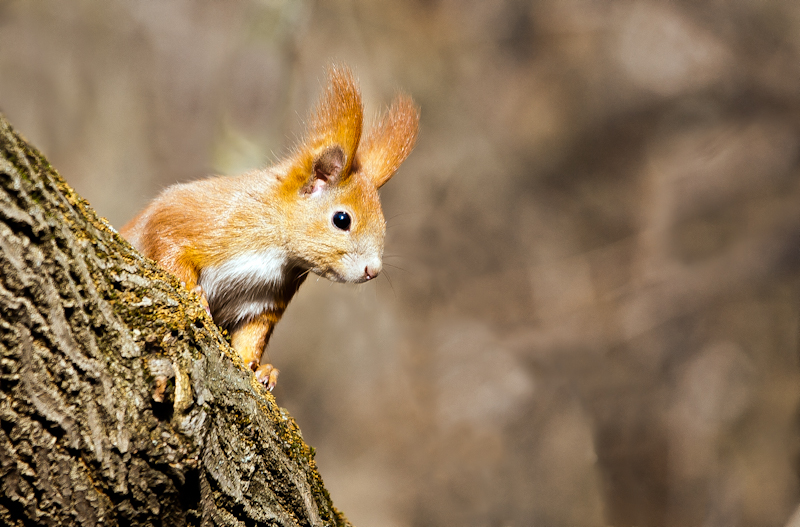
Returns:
point(266, 374)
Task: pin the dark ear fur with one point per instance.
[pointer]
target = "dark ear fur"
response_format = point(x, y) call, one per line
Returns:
point(327, 170)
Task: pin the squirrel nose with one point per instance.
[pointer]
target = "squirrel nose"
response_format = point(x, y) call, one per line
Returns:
point(371, 270)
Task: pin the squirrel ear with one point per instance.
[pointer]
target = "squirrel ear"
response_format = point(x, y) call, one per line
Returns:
point(337, 118)
point(327, 170)
point(390, 141)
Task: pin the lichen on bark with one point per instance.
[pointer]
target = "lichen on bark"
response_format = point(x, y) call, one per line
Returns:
point(89, 330)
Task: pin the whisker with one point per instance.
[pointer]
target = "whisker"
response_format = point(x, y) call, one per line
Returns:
point(395, 267)
point(400, 214)
point(390, 223)
point(386, 274)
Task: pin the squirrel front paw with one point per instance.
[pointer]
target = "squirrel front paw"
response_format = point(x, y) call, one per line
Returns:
point(266, 374)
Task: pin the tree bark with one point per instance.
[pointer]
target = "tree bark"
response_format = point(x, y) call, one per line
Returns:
point(120, 401)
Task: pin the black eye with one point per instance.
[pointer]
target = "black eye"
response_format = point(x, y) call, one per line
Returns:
point(341, 220)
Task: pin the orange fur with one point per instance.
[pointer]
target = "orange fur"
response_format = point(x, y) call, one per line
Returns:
point(247, 242)
point(390, 141)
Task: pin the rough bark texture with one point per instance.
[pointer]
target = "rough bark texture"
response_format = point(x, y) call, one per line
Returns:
point(87, 329)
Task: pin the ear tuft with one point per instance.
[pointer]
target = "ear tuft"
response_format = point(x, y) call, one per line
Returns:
point(338, 116)
point(391, 140)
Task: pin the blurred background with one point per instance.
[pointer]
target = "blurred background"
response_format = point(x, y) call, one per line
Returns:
point(590, 309)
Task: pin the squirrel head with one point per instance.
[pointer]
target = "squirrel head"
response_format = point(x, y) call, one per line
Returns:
point(335, 226)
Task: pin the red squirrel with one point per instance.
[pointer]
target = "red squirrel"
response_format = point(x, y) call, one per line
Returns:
point(246, 243)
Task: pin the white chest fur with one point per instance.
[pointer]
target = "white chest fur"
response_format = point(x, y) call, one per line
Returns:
point(245, 286)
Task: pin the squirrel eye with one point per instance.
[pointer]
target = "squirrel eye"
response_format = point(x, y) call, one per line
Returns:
point(341, 220)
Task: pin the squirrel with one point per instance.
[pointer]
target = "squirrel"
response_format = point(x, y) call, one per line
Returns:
point(246, 243)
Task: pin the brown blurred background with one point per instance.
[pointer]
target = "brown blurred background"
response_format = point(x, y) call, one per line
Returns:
point(590, 311)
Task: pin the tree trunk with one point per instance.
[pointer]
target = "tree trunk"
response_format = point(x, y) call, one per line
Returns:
point(120, 401)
